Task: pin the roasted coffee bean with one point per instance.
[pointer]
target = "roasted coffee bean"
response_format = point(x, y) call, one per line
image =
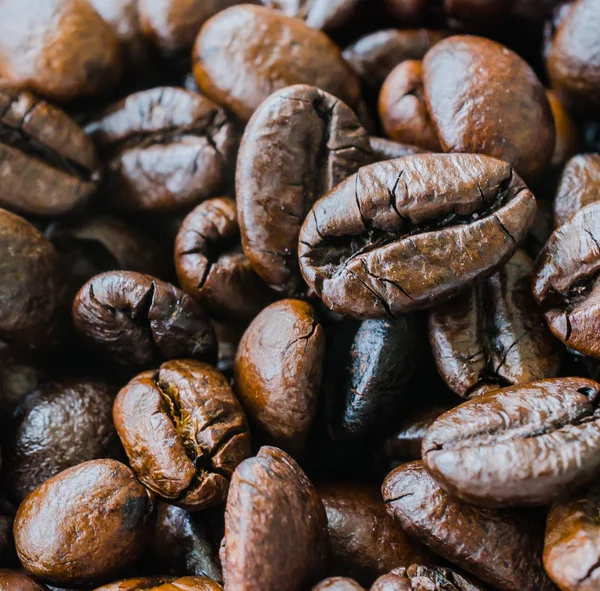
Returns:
point(275, 526)
point(403, 110)
point(564, 284)
point(299, 144)
point(59, 425)
point(186, 543)
point(469, 82)
point(245, 53)
point(374, 56)
point(211, 266)
point(523, 445)
point(164, 149)
point(494, 335)
point(572, 549)
point(84, 525)
point(137, 319)
point(502, 547)
point(173, 24)
point(100, 243)
point(11, 580)
point(326, 15)
point(425, 578)
point(338, 584)
point(48, 166)
point(579, 185)
point(31, 283)
point(278, 370)
point(377, 245)
point(364, 541)
point(199, 432)
point(163, 584)
point(384, 149)
point(567, 134)
point(383, 357)
point(61, 49)
point(572, 57)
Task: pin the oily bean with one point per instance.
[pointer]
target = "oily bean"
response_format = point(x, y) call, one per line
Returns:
point(494, 335)
point(48, 166)
point(245, 53)
point(139, 320)
point(60, 49)
point(83, 525)
point(364, 541)
point(100, 243)
point(164, 149)
point(523, 445)
point(567, 132)
point(384, 149)
point(163, 584)
point(338, 584)
point(198, 436)
point(275, 526)
point(403, 110)
point(31, 286)
point(383, 357)
point(502, 547)
point(300, 143)
point(564, 283)
point(420, 578)
point(572, 547)
point(15, 581)
point(278, 370)
point(573, 56)
point(59, 425)
point(377, 245)
point(326, 15)
point(374, 56)
point(210, 263)
point(578, 186)
point(186, 543)
point(465, 95)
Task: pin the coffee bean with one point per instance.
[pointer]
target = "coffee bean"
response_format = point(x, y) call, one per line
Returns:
point(564, 283)
point(523, 445)
point(138, 320)
point(364, 541)
point(61, 49)
point(326, 15)
point(494, 335)
point(31, 283)
point(338, 584)
point(164, 149)
point(84, 525)
point(245, 53)
point(384, 149)
point(377, 245)
point(199, 432)
point(408, 11)
point(578, 186)
point(275, 526)
point(59, 425)
point(403, 110)
point(417, 577)
point(571, 551)
point(16, 581)
point(299, 144)
point(278, 369)
point(163, 584)
point(502, 547)
point(567, 134)
point(465, 94)
point(211, 266)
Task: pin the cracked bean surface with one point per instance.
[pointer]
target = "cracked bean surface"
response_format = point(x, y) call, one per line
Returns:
point(425, 578)
point(163, 584)
point(408, 234)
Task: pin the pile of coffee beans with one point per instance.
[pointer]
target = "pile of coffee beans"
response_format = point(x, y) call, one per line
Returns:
point(299, 295)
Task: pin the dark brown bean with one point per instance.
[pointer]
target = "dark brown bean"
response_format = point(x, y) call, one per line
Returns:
point(15, 581)
point(338, 584)
point(326, 15)
point(163, 584)
point(567, 133)
point(420, 578)
point(384, 149)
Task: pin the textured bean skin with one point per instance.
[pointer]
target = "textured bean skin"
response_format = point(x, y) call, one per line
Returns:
point(417, 577)
point(338, 584)
point(278, 370)
point(299, 144)
point(84, 525)
point(199, 432)
point(464, 107)
point(522, 445)
point(326, 15)
point(572, 546)
point(502, 547)
point(377, 246)
point(163, 584)
point(245, 53)
point(564, 283)
point(266, 492)
point(494, 335)
point(15, 581)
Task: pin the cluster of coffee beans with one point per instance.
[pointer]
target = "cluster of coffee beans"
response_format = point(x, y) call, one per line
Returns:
point(300, 295)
